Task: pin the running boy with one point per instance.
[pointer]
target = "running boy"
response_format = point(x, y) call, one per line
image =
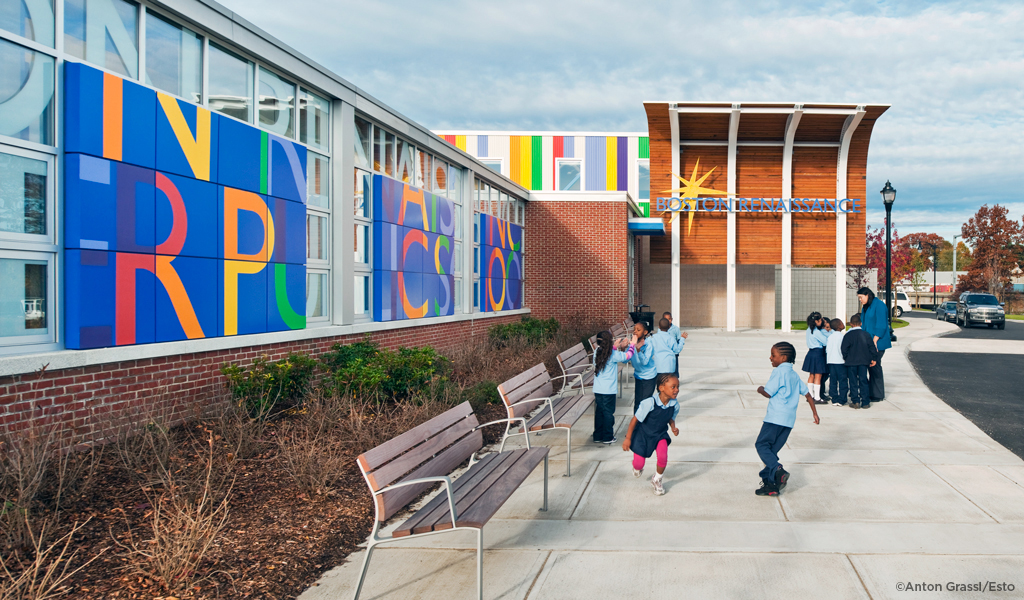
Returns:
point(648, 429)
point(666, 349)
point(839, 382)
point(783, 391)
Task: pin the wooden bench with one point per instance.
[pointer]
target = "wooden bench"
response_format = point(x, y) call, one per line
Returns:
point(401, 469)
point(577, 361)
point(558, 409)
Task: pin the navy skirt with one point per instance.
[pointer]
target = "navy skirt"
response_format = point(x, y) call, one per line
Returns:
point(814, 362)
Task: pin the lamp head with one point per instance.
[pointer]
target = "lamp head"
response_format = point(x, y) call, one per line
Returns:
point(888, 194)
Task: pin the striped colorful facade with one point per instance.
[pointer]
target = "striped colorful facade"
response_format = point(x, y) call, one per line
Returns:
point(610, 161)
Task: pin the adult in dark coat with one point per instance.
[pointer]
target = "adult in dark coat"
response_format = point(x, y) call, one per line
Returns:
point(875, 320)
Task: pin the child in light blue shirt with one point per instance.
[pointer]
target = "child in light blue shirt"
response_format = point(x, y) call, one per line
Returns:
point(606, 379)
point(644, 371)
point(783, 390)
point(666, 347)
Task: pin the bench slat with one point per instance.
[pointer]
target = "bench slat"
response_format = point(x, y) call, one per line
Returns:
point(525, 376)
point(567, 412)
point(483, 509)
point(390, 472)
point(392, 501)
point(374, 458)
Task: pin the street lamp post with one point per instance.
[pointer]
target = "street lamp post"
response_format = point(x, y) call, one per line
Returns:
point(888, 198)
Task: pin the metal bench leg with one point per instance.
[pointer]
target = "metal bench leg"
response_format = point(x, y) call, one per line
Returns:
point(362, 573)
point(545, 509)
point(568, 453)
point(480, 563)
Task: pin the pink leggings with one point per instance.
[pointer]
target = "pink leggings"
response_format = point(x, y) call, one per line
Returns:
point(661, 451)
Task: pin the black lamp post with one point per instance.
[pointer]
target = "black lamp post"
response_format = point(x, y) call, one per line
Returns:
point(888, 198)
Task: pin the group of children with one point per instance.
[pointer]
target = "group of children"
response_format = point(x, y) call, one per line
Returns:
point(842, 356)
point(655, 406)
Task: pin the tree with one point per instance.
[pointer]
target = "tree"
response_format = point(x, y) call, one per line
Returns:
point(994, 238)
point(923, 258)
point(963, 257)
point(902, 258)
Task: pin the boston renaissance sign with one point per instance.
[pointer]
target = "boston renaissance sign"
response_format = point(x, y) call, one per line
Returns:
point(759, 205)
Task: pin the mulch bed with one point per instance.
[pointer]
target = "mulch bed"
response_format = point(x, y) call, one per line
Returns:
point(277, 542)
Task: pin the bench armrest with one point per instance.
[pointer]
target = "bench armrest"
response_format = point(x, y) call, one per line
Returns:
point(439, 478)
point(509, 420)
point(577, 376)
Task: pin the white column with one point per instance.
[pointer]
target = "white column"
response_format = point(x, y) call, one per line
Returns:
point(342, 217)
point(849, 127)
point(673, 119)
point(730, 269)
point(787, 219)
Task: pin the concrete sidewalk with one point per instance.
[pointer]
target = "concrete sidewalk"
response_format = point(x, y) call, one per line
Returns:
point(908, 491)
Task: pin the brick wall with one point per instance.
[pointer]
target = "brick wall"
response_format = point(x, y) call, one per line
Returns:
point(577, 260)
point(92, 401)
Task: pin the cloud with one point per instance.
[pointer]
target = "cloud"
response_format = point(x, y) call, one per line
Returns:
point(954, 137)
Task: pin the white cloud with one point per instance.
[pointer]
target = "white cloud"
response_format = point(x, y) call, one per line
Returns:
point(953, 139)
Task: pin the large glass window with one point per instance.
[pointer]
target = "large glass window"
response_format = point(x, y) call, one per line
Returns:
point(26, 94)
point(384, 152)
point(31, 19)
point(277, 103)
point(24, 299)
point(362, 243)
point(105, 33)
point(23, 195)
point(316, 237)
point(569, 174)
point(493, 164)
point(406, 163)
point(361, 304)
point(230, 80)
point(314, 120)
point(362, 144)
point(317, 180)
point(363, 194)
point(174, 58)
point(316, 295)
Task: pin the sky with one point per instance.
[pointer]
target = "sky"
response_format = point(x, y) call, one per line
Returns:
point(952, 71)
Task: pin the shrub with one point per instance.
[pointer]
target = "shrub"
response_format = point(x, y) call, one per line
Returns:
point(485, 392)
point(537, 332)
point(267, 387)
point(365, 369)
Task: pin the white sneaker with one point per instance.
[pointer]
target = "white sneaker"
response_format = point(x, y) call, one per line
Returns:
point(836, 404)
point(658, 489)
point(637, 474)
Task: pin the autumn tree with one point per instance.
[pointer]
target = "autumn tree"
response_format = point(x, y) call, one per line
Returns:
point(902, 257)
point(994, 237)
point(923, 258)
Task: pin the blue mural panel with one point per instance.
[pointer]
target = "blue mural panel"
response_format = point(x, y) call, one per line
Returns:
point(387, 246)
point(245, 310)
point(195, 311)
point(444, 223)
point(239, 153)
point(444, 248)
point(89, 277)
point(83, 109)
point(387, 195)
point(243, 231)
point(289, 231)
point(108, 205)
point(286, 296)
point(186, 139)
point(108, 117)
point(413, 295)
point(513, 294)
point(187, 222)
point(287, 172)
point(415, 248)
point(387, 303)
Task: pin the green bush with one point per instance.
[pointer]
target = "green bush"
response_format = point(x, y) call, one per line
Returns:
point(266, 387)
point(537, 332)
point(485, 392)
point(365, 369)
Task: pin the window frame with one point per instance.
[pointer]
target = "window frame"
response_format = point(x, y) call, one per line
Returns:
point(558, 176)
point(36, 239)
point(11, 344)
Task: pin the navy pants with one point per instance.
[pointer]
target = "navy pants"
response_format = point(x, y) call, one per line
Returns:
point(771, 439)
point(604, 419)
point(645, 388)
point(859, 387)
point(839, 383)
point(877, 379)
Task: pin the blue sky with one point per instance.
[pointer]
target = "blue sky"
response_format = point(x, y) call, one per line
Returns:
point(952, 71)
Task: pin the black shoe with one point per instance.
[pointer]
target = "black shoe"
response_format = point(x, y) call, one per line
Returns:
point(855, 405)
point(781, 478)
point(767, 489)
point(865, 405)
point(826, 398)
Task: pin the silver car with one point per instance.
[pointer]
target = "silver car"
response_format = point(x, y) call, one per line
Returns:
point(980, 309)
point(946, 311)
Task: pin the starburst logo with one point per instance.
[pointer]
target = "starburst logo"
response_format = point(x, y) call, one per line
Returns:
point(690, 190)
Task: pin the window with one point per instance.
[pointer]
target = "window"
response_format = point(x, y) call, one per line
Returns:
point(314, 121)
point(30, 19)
point(644, 185)
point(277, 101)
point(26, 90)
point(384, 152)
point(362, 146)
point(406, 162)
point(26, 248)
point(230, 80)
point(108, 36)
point(362, 240)
point(316, 295)
point(316, 237)
point(317, 180)
point(174, 58)
point(361, 306)
point(570, 173)
point(363, 195)
point(493, 164)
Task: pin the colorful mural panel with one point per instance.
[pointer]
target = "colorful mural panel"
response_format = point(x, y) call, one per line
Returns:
point(179, 223)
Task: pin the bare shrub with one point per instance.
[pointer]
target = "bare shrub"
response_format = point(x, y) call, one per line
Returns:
point(184, 526)
point(311, 447)
point(244, 436)
point(369, 424)
point(45, 574)
point(144, 441)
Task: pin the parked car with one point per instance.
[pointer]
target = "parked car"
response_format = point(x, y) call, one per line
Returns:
point(902, 305)
point(946, 311)
point(977, 309)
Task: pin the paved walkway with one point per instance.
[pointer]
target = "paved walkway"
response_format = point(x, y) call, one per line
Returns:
point(908, 491)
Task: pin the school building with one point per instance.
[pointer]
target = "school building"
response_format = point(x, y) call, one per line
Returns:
point(179, 189)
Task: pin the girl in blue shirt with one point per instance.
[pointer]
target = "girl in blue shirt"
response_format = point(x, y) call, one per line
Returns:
point(645, 372)
point(606, 377)
point(814, 363)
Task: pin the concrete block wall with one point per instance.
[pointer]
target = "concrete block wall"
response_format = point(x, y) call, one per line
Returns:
point(814, 289)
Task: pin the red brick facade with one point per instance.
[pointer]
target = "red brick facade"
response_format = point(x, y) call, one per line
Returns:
point(93, 400)
point(577, 260)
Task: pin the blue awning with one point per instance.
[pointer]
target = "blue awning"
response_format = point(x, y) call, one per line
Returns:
point(647, 226)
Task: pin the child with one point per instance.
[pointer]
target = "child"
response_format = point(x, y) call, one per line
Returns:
point(674, 330)
point(783, 391)
point(648, 429)
point(814, 362)
point(859, 353)
point(666, 349)
point(827, 322)
point(644, 371)
point(606, 376)
point(840, 383)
